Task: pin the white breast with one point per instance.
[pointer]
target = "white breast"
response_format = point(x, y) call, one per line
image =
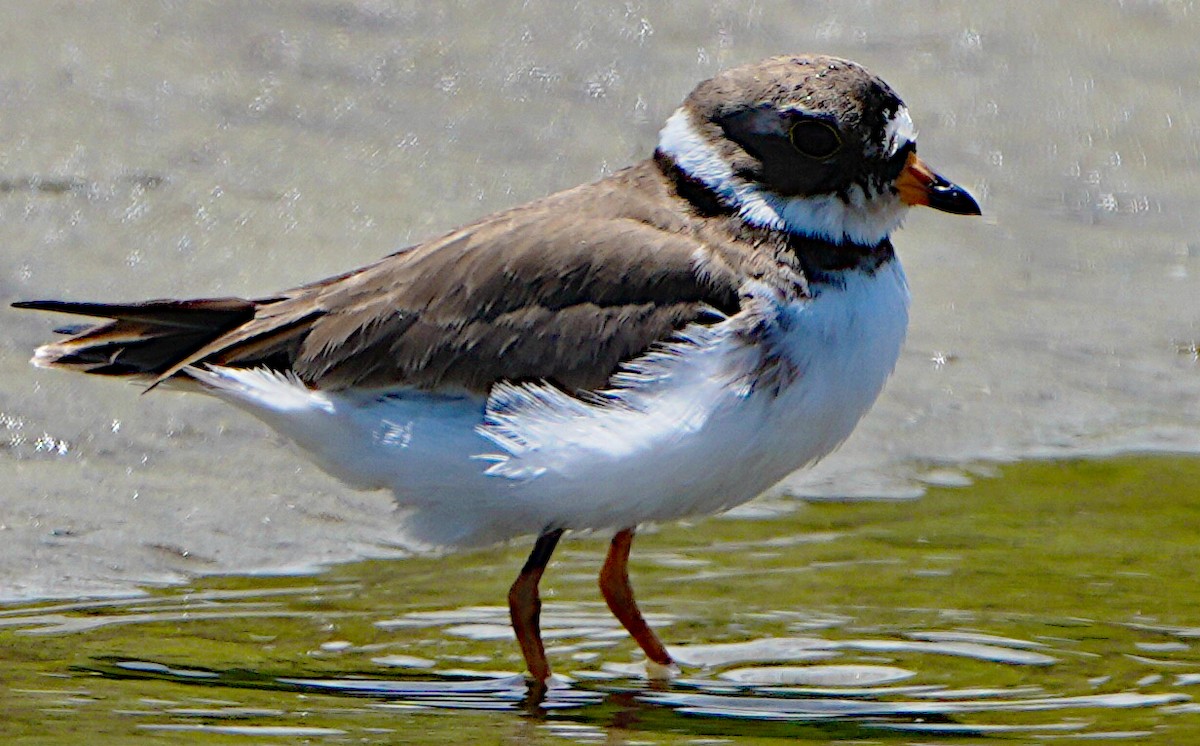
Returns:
point(685, 430)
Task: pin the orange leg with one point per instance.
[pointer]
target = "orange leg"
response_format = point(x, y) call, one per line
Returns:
point(614, 584)
point(525, 605)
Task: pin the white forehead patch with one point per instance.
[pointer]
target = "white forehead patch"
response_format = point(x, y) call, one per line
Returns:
point(899, 131)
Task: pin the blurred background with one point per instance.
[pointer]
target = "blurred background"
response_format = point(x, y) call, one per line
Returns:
point(155, 149)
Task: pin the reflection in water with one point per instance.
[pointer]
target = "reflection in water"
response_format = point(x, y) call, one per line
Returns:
point(851, 692)
point(765, 679)
point(1070, 639)
point(83, 616)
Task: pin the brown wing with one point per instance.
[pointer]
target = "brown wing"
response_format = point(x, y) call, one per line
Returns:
point(513, 299)
point(561, 290)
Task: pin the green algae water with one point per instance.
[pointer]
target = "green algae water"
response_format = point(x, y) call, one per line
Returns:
point(1050, 602)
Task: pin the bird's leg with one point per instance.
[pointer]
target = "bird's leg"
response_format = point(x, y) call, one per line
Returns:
point(525, 605)
point(614, 584)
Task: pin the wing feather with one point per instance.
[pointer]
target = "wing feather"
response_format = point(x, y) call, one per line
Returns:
point(563, 290)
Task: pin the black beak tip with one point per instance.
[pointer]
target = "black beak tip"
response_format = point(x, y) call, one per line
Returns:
point(953, 199)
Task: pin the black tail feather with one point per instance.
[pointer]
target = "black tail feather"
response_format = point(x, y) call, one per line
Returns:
point(142, 340)
point(195, 314)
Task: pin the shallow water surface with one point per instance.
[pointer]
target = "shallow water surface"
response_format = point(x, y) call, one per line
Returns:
point(1054, 601)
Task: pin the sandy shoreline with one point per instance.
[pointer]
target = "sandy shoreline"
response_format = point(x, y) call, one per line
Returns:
point(237, 150)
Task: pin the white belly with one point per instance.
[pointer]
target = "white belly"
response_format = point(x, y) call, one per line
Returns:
point(684, 431)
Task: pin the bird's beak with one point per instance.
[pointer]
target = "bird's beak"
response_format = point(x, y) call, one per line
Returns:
point(918, 184)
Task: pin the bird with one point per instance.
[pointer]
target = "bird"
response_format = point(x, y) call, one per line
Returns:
point(668, 341)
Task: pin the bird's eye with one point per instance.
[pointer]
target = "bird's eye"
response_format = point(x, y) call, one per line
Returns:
point(815, 138)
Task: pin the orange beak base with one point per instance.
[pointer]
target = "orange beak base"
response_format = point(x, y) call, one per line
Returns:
point(918, 184)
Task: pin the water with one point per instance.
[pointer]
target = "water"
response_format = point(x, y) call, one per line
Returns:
point(157, 149)
point(1053, 602)
point(236, 150)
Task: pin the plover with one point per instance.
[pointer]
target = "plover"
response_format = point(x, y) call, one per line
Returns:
point(668, 341)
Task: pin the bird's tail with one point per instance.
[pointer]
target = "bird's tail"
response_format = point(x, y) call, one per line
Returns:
point(146, 341)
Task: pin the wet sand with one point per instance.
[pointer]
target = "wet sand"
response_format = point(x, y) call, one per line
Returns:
point(151, 150)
